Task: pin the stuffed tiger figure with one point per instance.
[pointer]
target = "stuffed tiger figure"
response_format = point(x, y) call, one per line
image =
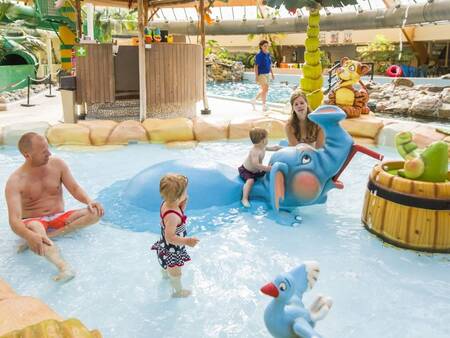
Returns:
point(352, 101)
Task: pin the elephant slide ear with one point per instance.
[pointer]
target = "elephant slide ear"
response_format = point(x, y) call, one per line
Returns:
point(277, 183)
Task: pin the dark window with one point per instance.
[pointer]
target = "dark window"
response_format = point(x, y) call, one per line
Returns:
point(13, 60)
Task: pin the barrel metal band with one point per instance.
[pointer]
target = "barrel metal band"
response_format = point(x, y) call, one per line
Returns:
point(408, 200)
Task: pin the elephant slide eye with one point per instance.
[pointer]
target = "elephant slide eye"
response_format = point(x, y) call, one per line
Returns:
point(306, 159)
point(282, 286)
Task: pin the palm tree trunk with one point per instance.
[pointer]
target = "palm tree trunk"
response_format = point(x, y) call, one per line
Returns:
point(312, 80)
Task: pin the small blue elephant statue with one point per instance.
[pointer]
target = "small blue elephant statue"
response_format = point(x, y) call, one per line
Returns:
point(286, 315)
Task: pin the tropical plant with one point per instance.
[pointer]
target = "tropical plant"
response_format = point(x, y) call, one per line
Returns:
point(247, 59)
point(4, 7)
point(102, 26)
point(210, 46)
point(108, 22)
point(384, 53)
point(2, 49)
point(213, 47)
point(312, 80)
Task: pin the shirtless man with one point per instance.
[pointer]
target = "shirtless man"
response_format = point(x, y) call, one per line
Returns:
point(34, 196)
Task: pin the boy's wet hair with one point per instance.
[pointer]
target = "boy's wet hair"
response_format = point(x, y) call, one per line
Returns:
point(172, 186)
point(258, 134)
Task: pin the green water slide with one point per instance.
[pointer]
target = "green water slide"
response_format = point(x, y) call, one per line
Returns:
point(41, 15)
point(16, 54)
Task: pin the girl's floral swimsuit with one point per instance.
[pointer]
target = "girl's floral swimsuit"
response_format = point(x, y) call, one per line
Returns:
point(170, 255)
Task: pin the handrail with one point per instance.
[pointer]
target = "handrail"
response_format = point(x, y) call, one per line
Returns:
point(332, 74)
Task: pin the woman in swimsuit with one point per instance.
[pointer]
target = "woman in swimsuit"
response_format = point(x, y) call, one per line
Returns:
point(299, 128)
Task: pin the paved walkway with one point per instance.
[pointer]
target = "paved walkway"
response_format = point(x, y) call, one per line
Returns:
point(49, 109)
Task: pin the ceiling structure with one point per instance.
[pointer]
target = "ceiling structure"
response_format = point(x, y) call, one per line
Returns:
point(240, 9)
point(185, 10)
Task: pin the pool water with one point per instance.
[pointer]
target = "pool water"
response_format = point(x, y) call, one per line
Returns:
point(378, 290)
point(279, 92)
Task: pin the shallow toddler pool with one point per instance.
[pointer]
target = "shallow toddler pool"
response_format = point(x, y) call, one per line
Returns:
point(378, 290)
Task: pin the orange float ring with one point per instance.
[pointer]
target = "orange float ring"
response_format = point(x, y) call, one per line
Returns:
point(394, 71)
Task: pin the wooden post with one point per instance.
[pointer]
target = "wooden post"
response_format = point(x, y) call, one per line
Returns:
point(203, 42)
point(79, 23)
point(446, 54)
point(142, 75)
point(146, 12)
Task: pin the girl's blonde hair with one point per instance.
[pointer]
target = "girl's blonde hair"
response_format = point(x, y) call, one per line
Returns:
point(172, 186)
point(312, 129)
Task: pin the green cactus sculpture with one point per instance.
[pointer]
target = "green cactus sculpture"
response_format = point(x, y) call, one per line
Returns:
point(312, 80)
point(429, 164)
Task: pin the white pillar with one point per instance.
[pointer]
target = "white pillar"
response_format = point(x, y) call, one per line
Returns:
point(90, 21)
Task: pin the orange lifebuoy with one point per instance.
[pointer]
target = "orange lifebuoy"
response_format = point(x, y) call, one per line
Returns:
point(394, 71)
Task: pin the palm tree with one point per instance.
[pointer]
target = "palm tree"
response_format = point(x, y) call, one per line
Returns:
point(312, 80)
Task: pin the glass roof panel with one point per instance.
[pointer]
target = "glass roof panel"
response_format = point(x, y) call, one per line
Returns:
point(191, 13)
point(227, 13)
point(250, 12)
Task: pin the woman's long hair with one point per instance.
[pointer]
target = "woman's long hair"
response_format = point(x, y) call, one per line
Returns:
point(312, 129)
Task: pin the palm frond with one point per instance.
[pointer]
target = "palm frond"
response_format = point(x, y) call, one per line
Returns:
point(4, 7)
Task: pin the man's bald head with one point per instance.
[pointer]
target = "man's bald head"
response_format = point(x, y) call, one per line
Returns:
point(34, 148)
point(26, 142)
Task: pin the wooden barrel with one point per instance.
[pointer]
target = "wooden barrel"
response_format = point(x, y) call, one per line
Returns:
point(407, 213)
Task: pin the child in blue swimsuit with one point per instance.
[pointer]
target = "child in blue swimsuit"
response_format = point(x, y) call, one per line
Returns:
point(171, 248)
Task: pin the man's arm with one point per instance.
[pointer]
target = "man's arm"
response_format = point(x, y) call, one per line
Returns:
point(75, 189)
point(71, 185)
point(13, 200)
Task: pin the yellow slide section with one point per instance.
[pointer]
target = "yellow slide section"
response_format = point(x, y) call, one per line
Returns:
point(71, 328)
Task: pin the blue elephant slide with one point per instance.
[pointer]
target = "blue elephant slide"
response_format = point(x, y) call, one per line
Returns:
point(300, 175)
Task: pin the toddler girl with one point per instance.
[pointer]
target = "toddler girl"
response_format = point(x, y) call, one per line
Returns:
point(170, 248)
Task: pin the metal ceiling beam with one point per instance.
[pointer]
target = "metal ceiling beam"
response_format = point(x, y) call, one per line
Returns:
point(439, 10)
